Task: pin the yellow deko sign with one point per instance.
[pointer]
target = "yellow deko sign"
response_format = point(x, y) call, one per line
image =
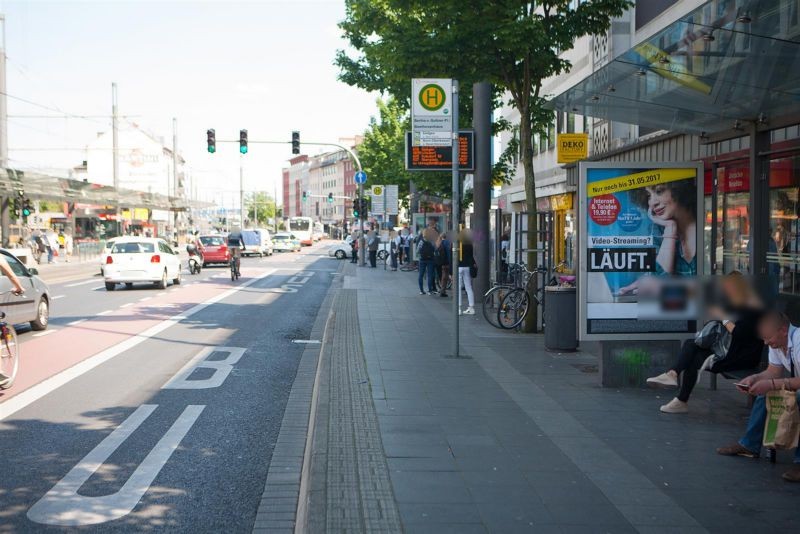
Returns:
point(572, 147)
point(638, 180)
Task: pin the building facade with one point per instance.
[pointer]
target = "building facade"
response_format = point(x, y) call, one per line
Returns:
point(693, 81)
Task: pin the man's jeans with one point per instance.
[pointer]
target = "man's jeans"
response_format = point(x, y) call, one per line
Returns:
point(426, 266)
point(755, 428)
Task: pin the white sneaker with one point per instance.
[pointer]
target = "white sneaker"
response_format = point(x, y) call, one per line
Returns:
point(675, 406)
point(664, 380)
point(469, 311)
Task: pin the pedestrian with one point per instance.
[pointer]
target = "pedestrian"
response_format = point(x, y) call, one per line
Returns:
point(739, 315)
point(373, 241)
point(395, 247)
point(425, 250)
point(406, 245)
point(782, 337)
point(467, 270)
point(48, 247)
point(68, 246)
point(442, 257)
point(354, 248)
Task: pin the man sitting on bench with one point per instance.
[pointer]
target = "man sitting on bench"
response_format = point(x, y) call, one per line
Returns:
point(783, 340)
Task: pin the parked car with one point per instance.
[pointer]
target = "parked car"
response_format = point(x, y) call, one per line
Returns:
point(31, 307)
point(286, 242)
point(141, 259)
point(214, 249)
point(257, 243)
point(104, 254)
point(341, 250)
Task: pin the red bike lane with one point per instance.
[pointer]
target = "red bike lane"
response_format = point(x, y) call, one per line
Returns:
point(42, 358)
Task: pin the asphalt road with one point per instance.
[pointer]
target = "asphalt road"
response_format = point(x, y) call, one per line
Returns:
point(147, 410)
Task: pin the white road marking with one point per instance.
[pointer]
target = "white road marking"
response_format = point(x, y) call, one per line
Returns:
point(34, 393)
point(222, 368)
point(62, 505)
point(161, 294)
point(81, 283)
point(98, 288)
point(126, 305)
point(58, 297)
point(307, 341)
point(79, 321)
point(105, 312)
point(45, 333)
point(145, 299)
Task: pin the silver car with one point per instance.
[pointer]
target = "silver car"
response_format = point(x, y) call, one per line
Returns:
point(31, 307)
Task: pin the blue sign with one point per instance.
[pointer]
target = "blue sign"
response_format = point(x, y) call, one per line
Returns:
point(360, 177)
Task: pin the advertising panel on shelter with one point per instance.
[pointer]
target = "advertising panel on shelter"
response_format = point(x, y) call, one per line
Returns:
point(641, 249)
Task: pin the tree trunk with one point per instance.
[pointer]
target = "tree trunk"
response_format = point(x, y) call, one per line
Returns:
point(526, 148)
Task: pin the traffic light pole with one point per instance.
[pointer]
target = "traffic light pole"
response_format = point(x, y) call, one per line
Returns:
point(454, 223)
point(353, 156)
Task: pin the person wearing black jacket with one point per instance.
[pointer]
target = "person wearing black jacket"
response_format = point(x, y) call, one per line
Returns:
point(466, 270)
point(740, 316)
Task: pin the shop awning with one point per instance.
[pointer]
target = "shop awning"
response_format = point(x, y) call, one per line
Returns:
point(727, 61)
point(45, 187)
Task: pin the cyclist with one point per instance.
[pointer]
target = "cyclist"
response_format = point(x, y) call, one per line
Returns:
point(5, 268)
point(236, 246)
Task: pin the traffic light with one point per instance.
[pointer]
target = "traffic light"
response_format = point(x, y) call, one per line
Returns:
point(305, 196)
point(295, 142)
point(330, 197)
point(356, 208)
point(243, 141)
point(26, 208)
point(212, 140)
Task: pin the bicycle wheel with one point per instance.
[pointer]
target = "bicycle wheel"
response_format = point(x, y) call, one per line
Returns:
point(233, 271)
point(9, 356)
point(513, 309)
point(491, 303)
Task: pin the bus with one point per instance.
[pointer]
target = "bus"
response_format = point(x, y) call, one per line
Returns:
point(302, 228)
point(318, 232)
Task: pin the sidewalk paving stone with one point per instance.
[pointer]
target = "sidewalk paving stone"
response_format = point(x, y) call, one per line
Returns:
point(518, 439)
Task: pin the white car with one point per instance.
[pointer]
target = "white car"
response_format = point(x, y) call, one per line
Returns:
point(285, 242)
point(341, 250)
point(141, 259)
point(104, 254)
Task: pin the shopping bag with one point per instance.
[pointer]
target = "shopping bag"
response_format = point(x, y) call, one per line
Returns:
point(782, 428)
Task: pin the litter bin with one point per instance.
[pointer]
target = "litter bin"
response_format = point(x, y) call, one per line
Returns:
point(560, 318)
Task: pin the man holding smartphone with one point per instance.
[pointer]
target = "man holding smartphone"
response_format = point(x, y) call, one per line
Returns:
point(783, 340)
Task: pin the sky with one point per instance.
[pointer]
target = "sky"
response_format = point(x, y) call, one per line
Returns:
point(266, 66)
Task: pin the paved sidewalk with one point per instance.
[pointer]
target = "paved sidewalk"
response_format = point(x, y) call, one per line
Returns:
point(518, 439)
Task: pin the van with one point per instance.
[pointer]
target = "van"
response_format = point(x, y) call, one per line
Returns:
point(257, 242)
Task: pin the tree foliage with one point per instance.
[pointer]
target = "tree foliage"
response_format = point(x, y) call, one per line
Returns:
point(514, 44)
point(260, 207)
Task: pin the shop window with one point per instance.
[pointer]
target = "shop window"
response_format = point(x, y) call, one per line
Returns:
point(570, 123)
point(535, 144)
point(560, 123)
point(551, 135)
point(783, 248)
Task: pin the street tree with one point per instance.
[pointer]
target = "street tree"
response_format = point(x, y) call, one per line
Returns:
point(516, 45)
point(260, 207)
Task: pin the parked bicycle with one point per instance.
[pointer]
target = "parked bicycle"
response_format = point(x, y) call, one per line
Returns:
point(494, 297)
point(516, 304)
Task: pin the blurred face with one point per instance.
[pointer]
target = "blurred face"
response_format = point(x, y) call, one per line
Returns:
point(660, 202)
point(774, 336)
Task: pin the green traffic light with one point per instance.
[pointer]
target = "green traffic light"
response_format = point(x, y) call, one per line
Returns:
point(212, 149)
point(26, 212)
point(243, 149)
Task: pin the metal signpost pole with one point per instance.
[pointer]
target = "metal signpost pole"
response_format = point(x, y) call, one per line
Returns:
point(454, 223)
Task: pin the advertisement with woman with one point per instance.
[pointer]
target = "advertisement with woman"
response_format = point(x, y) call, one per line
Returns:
point(640, 248)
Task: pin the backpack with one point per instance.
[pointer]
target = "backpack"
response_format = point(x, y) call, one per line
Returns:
point(426, 250)
point(440, 255)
